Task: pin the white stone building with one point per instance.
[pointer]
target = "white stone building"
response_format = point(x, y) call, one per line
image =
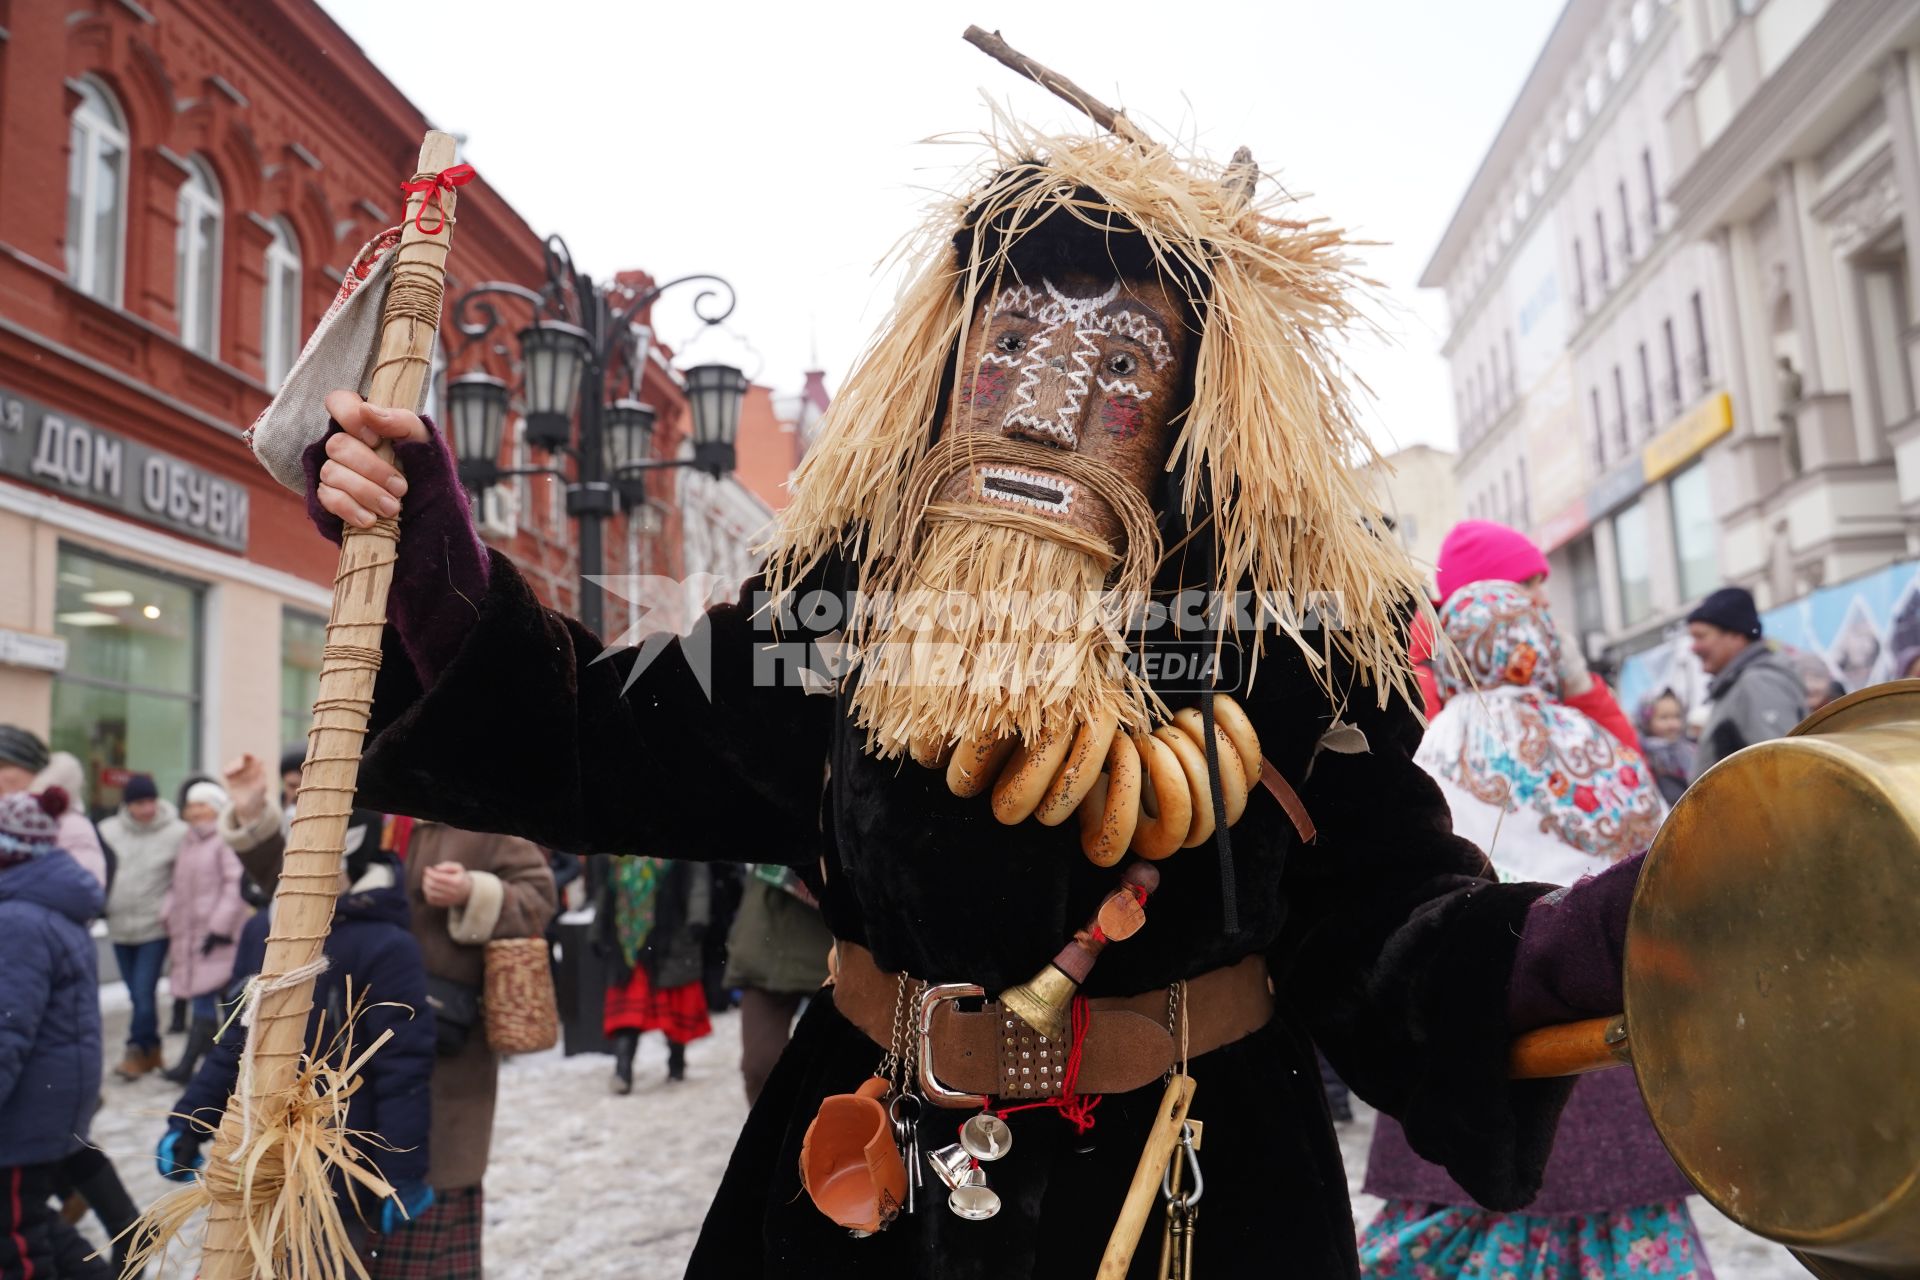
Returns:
point(1583, 332)
point(1685, 195)
point(1795, 160)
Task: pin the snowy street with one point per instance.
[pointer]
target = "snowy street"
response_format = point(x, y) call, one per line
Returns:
point(589, 1186)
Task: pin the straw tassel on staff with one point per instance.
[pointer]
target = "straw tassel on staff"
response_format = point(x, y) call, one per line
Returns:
point(270, 1209)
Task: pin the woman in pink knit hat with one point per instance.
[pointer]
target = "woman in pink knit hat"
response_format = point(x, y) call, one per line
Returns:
point(1483, 550)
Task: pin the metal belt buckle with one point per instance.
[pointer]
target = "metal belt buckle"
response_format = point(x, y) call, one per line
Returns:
point(930, 1000)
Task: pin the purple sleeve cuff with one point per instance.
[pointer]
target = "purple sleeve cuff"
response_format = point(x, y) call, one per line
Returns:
point(1572, 946)
point(440, 574)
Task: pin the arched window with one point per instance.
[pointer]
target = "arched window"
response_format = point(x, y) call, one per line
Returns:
point(96, 193)
point(197, 259)
point(280, 317)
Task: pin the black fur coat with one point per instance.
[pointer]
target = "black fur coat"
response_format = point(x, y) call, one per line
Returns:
point(1389, 945)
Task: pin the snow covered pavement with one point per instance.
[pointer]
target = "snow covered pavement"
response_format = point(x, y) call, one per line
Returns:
point(590, 1186)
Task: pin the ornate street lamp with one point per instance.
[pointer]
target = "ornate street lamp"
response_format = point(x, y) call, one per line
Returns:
point(629, 448)
point(477, 406)
point(582, 337)
point(714, 394)
point(554, 354)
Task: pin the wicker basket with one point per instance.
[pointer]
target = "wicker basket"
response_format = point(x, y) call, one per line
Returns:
point(523, 1015)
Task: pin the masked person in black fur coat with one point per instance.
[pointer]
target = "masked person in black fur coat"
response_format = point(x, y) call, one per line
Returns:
point(1109, 385)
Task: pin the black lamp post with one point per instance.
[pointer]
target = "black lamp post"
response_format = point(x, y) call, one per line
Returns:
point(581, 345)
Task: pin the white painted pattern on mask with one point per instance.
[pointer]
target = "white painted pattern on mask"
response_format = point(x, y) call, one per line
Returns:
point(1061, 312)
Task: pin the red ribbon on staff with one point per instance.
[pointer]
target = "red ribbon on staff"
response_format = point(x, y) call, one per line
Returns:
point(445, 180)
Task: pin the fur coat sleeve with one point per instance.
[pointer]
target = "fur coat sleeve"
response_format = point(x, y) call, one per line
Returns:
point(1397, 947)
point(623, 752)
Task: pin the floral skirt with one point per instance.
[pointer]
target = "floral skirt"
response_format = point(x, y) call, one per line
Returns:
point(1410, 1241)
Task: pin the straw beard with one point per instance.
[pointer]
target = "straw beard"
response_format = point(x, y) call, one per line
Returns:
point(992, 621)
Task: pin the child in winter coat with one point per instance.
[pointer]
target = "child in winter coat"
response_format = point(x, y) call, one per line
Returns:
point(49, 1036)
point(204, 911)
point(1669, 747)
point(371, 952)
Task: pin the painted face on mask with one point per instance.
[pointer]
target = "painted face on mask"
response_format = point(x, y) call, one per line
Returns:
point(1076, 364)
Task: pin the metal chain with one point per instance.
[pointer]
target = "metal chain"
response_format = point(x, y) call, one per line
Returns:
point(907, 1037)
point(1173, 1023)
point(890, 1064)
point(901, 1066)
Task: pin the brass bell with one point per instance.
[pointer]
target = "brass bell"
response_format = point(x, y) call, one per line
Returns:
point(1043, 1001)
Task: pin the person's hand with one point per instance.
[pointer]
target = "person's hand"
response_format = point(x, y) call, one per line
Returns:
point(355, 483)
point(214, 940)
point(404, 1207)
point(1575, 679)
point(446, 884)
point(246, 780)
point(178, 1155)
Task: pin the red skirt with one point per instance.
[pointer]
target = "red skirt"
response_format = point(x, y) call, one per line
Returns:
point(680, 1012)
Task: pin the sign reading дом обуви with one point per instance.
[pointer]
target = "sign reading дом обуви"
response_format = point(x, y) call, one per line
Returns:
point(55, 451)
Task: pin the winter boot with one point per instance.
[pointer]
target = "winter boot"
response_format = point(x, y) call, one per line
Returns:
point(178, 1024)
point(676, 1061)
point(624, 1044)
point(136, 1062)
point(199, 1040)
point(96, 1181)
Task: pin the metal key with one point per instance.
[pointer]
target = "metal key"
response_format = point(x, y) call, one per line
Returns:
point(904, 1112)
point(1183, 1206)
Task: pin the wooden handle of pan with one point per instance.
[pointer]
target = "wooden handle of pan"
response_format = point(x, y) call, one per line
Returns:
point(1572, 1049)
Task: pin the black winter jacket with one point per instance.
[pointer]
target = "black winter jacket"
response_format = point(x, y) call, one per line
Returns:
point(371, 952)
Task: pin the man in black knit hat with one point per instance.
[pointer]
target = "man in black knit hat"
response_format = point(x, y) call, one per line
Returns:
point(1756, 694)
point(22, 755)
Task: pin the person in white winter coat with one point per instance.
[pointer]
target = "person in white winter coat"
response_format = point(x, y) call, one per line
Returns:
point(146, 835)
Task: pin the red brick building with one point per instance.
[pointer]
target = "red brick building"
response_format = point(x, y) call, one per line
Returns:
point(180, 184)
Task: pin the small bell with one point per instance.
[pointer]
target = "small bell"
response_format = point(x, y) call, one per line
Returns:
point(975, 1203)
point(986, 1137)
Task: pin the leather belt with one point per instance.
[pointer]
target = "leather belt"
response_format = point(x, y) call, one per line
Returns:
point(968, 1057)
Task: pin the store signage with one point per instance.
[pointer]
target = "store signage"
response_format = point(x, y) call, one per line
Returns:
point(38, 652)
point(1619, 486)
point(1559, 530)
point(54, 451)
point(1697, 428)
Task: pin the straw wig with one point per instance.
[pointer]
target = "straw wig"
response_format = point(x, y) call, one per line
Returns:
point(1265, 446)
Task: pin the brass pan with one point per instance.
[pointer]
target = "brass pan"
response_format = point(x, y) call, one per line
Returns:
point(1773, 988)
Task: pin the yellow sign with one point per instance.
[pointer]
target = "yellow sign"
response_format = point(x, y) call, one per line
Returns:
point(1697, 428)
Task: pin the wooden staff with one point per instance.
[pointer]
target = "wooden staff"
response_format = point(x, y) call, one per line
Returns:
point(1242, 174)
point(310, 877)
point(990, 43)
point(1161, 1140)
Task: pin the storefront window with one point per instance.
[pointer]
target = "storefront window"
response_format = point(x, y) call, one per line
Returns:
point(1588, 614)
point(302, 636)
point(1693, 532)
point(1630, 554)
point(129, 698)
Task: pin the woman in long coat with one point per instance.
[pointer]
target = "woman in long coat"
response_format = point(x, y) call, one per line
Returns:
point(1553, 796)
point(651, 919)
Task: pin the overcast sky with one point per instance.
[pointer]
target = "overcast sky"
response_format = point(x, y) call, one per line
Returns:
point(784, 146)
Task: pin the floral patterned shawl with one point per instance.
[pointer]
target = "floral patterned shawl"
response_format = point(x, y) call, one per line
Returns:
point(636, 882)
point(1548, 793)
